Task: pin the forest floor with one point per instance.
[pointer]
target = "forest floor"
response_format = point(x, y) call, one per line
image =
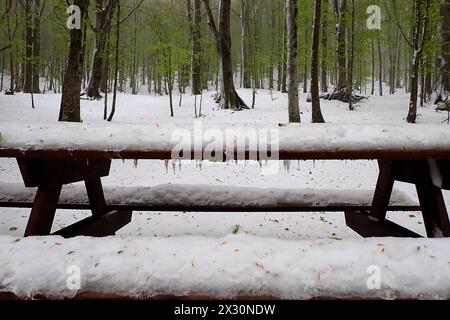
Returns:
point(269, 109)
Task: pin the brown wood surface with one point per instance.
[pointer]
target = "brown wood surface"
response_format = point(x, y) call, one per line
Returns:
point(309, 154)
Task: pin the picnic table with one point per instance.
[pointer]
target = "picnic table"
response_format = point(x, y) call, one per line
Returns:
point(51, 155)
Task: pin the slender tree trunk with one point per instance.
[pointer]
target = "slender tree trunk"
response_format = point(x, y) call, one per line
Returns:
point(103, 19)
point(445, 45)
point(3, 69)
point(380, 67)
point(291, 18)
point(70, 103)
point(420, 30)
point(285, 57)
point(116, 66)
point(317, 116)
point(341, 13)
point(245, 68)
point(36, 45)
point(351, 59)
point(196, 64)
point(324, 77)
point(28, 47)
point(373, 68)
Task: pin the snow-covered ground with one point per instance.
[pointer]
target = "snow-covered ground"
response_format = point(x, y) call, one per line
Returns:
point(255, 231)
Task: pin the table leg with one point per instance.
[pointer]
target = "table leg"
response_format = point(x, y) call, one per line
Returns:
point(383, 190)
point(96, 196)
point(44, 208)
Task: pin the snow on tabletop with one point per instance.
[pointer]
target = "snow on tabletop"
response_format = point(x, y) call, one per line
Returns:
point(236, 265)
point(159, 136)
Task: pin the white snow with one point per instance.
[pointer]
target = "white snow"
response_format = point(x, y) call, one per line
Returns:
point(160, 136)
point(227, 267)
point(291, 255)
point(204, 195)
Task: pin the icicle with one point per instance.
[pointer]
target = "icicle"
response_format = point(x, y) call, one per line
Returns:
point(174, 164)
point(179, 165)
point(135, 163)
point(166, 163)
point(287, 165)
point(200, 163)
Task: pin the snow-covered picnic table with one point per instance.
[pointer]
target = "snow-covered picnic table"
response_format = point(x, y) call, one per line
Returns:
point(157, 140)
point(51, 155)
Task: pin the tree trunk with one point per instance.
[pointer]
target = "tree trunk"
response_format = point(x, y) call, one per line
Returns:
point(196, 64)
point(229, 99)
point(351, 59)
point(373, 68)
point(70, 102)
point(36, 45)
point(420, 30)
point(291, 18)
point(116, 67)
point(103, 19)
point(445, 57)
point(245, 68)
point(324, 76)
point(284, 73)
point(380, 67)
point(315, 95)
point(28, 75)
point(12, 63)
point(340, 10)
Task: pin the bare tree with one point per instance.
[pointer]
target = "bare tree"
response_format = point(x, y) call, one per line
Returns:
point(317, 116)
point(444, 81)
point(340, 10)
point(292, 39)
point(195, 27)
point(70, 102)
point(324, 76)
point(421, 14)
point(229, 98)
point(103, 16)
point(116, 66)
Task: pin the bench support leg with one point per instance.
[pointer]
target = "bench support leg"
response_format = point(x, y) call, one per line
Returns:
point(432, 203)
point(434, 212)
point(49, 176)
point(103, 226)
point(383, 190)
point(369, 226)
point(44, 208)
point(96, 196)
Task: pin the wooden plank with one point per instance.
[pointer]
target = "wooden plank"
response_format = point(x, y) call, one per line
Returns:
point(155, 154)
point(102, 226)
point(43, 211)
point(368, 226)
point(157, 140)
point(212, 198)
point(208, 208)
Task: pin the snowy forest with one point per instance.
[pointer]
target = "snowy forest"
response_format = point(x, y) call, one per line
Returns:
point(224, 149)
point(181, 47)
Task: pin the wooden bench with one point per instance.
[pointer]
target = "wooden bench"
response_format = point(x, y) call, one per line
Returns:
point(48, 160)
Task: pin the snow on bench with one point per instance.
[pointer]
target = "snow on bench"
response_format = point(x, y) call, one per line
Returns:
point(230, 267)
point(172, 197)
point(156, 141)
